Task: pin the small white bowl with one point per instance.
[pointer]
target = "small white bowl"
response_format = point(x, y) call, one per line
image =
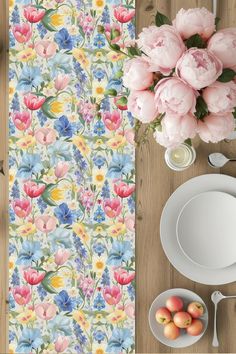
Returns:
point(184, 340)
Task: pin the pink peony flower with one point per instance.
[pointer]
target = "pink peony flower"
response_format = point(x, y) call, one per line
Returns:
point(61, 344)
point(195, 21)
point(112, 295)
point(172, 95)
point(175, 130)
point(22, 207)
point(220, 97)
point(142, 105)
point(136, 74)
point(45, 136)
point(113, 32)
point(112, 120)
point(122, 14)
point(33, 277)
point(46, 223)
point(130, 223)
point(163, 45)
point(33, 189)
point(32, 14)
point(61, 81)
point(45, 49)
point(33, 102)
point(223, 45)
point(61, 169)
point(215, 128)
point(112, 207)
point(22, 33)
point(199, 68)
point(123, 189)
point(22, 120)
point(123, 277)
point(22, 294)
point(46, 311)
point(61, 256)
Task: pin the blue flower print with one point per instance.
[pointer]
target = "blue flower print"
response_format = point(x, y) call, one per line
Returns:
point(99, 161)
point(121, 340)
point(64, 302)
point(60, 150)
point(99, 74)
point(30, 77)
point(30, 252)
point(99, 128)
point(64, 214)
point(29, 341)
point(60, 325)
point(99, 248)
point(121, 252)
point(29, 165)
point(64, 127)
point(63, 39)
point(60, 63)
point(99, 215)
point(99, 335)
point(120, 164)
point(60, 238)
point(99, 41)
point(99, 303)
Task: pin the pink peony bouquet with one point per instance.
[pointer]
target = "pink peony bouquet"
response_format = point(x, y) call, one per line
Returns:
point(180, 78)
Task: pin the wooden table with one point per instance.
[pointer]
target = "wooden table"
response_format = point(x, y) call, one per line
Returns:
point(155, 183)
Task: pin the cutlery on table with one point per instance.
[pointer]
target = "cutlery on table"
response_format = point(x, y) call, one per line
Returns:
point(217, 159)
point(216, 297)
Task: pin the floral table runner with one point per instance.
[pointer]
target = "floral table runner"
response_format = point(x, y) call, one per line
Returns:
point(71, 163)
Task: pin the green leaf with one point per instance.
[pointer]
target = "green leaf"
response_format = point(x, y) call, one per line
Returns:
point(195, 41)
point(227, 75)
point(161, 19)
point(111, 92)
point(217, 20)
point(134, 51)
point(115, 47)
point(234, 113)
point(188, 141)
point(46, 283)
point(46, 21)
point(46, 108)
point(122, 101)
point(201, 108)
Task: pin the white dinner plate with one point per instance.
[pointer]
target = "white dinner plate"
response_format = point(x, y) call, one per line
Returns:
point(171, 247)
point(183, 340)
point(206, 229)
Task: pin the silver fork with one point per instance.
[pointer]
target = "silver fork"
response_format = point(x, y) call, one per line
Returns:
point(216, 297)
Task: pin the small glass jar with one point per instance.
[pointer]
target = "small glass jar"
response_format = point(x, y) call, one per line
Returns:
point(181, 157)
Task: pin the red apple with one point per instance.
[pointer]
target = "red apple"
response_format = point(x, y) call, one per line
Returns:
point(163, 316)
point(171, 331)
point(182, 319)
point(174, 304)
point(195, 328)
point(195, 309)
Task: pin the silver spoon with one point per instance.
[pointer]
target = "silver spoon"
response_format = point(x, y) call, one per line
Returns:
point(217, 160)
point(216, 297)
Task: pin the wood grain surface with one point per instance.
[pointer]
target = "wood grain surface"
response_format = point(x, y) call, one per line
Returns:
point(155, 183)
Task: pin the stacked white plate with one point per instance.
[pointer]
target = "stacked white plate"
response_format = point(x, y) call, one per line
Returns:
point(198, 229)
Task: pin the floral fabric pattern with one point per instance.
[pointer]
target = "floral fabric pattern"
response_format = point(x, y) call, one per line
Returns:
point(71, 161)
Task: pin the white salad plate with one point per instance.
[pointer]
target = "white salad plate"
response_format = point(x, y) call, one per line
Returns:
point(206, 229)
point(170, 214)
point(183, 340)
